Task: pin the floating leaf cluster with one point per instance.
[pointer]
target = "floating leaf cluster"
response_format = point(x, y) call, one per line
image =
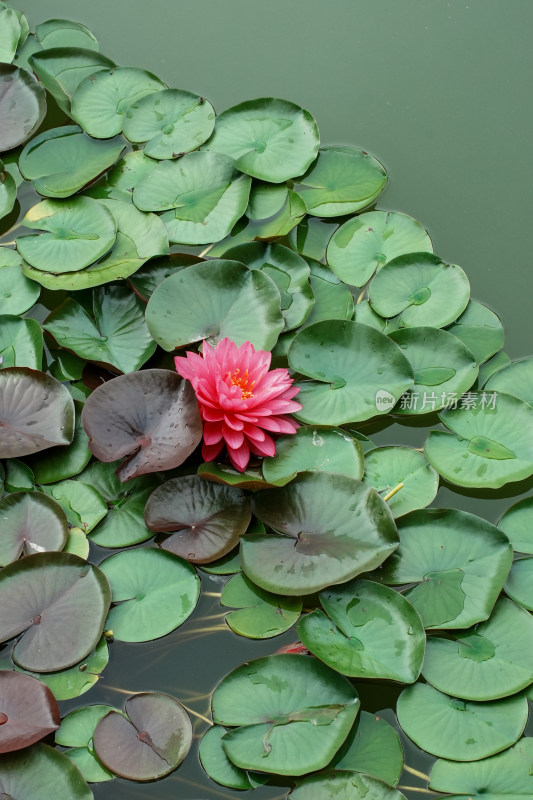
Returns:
point(140, 226)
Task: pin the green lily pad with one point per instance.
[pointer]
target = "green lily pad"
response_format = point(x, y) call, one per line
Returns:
point(333, 300)
point(21, 342)
point(365, 243)
point(365, 314)
point(61, 161)
point(208, 519)
point(252, 478)
point(330, 528)
point(268, 138)
point(82, 504)
point(213, 300)
point(59, 463)
point(65, 33)
point(229, 564)
point(8, 192)
point(458, 561)
point(493, 365)
point(31, 523)
point(421, 289)
point(118, 335)
point(29, 710)
point(22, 106)
point(18, 476)
point(352, 367)
point(490, 661)
point(480, 329)
point(311, 237)
point(479, 729)
point(519, 585)
point(76, 732)
point(36, 412)
point(148, 277)
point(9, 33)
point(40, 772)
point(517, 524)
point(171, 122)
point(266, 199)
point(76, 233)
point(289, 271)
point(292, 711)
point(101, 100)
point(153, 593)
point(368, 631)
point(125, 175)
point(491, 442)
point(342, 180)
point(17, 293)
point(342, 785)
point(515, 379)
point(77, 543)
point(372, 747)
point(59, 603)
point(388, 467)
point(22, 58)
point(506, 775)
point(260, 614)
point(320, 449)
point(62, 69)
point(218, 766)
point(444, 368)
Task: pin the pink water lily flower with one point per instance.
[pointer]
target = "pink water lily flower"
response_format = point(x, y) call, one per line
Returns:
point(239, 399)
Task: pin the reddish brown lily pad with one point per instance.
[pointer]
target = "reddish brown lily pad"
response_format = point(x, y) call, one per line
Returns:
point(28, 711)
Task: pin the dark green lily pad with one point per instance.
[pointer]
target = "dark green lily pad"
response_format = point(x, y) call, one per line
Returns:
point(171, 122)
point(18, 476)
point(342, 785)
point(268, 138)
point(36, 412)
point(260, 614)
point(480, 329)
point(517, 524)
point(8, 192)
point(458, 561)
point(479, 729)
point(59, 603)
point(365, 243)
point(388, 467)
point(31, 523)
point(213, 300)
point(76, 233)
point(118, 336)
point(491, 442)
point(62, 69)
point(59, 463)
point(266, 199)
point(22, 106)
point(153, 593)
point(330, 529)
point(21, 342)
point(82, 504)
point(229, 564)
point(515, 379)
point(151, 416)
point(421, 289)
point(294, 713)
point(65, 33)
point(28, 710)
point(342, 180)
point(147, 742)
point(76, 732)
point(40, 772)
point(519, 584)
point(17, 293)
point(252, 478)
point(368, 631)
point(490, 661)
point(208, 519)
point(356, 372)
point(218, 766)
point(101, 100)
point(372, 747)
point(148, 277)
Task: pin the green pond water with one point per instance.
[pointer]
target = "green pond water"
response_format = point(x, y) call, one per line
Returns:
point(439, 92)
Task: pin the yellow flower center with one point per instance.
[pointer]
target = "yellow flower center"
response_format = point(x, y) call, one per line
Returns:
point(243, 383)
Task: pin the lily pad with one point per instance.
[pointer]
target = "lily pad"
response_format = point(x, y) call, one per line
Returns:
point(68, 683)
point(515, 379)
point(147, 742)
point(490, 661)
point(213, 300)
point(9, 33)
point(21, 342)
point(314, 449)
point(148, 277)
point(421, 290)
point(480, 329)
point(31, 523)
point(491, 442)
point(365, 243)
point(17, 293)
point(28, 710)
point(82, 504)
point(65, 32)
point(372, 747)
point(101, 100)
point(151, 416)
point(76, 732)
point(517, 524)
point(62, 69)
point(444, 368)
point(77, 543)
point(74, 233)
point(171, 122)
point(480, 729)
point(59, 463)
point(22, 106)
point(330, 529)
point(18, 476)
point(208, 518)
point(8, 192)
point(519, 584)
point(368, 631)
point(40, 772)
point(268, 138)
point(58, 602)
point(260, 614)
point(389, 468)
point(118, 336)
point(218, 766)
point(292, 711)
point(266, 199)
point(342, 785)
point(36, 412)
point(311, 237)
point(333, 300)
point(252, 478)
point(458, 561)
point(352, 369)
point(493, 365)
point(153, 593)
